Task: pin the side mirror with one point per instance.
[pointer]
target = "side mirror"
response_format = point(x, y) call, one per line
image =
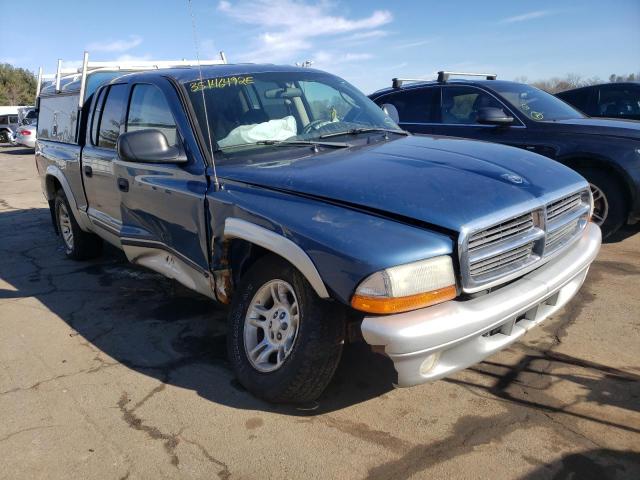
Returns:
point(148, 146)
point(391, 111)
point(493, 116)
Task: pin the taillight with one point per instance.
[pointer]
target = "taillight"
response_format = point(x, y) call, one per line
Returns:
point(25, 132)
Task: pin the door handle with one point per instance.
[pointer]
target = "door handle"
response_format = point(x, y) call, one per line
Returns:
point(88, 171)
point(123, 184)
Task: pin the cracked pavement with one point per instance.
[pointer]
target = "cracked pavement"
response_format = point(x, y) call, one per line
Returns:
point(109, 371)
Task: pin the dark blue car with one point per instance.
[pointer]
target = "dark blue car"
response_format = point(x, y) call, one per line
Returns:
point(605, 152)
point(289, 194)
point(609, 100)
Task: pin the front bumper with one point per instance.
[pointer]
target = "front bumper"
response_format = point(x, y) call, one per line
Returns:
point(434, 342)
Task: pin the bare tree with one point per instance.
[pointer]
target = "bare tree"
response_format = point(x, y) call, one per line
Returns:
point(573, 80)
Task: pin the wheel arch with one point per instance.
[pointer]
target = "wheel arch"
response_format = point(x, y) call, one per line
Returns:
point(247, 242)
point(55, 180)
point(579, 161)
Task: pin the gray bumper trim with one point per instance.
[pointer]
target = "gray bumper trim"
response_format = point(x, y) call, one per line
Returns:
point(455, 331)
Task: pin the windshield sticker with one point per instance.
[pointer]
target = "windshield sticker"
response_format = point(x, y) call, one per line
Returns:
point(536, 115)
point(220, 82)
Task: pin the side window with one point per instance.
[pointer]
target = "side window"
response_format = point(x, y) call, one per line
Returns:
point(109, 128)
point(149, 109)
point(95, 118)
point(415, 105)
point(619, 101)
point(460, 105)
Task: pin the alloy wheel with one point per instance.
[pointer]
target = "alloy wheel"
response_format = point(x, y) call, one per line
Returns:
point(64, 224)
point(600, 205)
point(271, 325)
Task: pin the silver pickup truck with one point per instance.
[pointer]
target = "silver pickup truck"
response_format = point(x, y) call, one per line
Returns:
point(289, 194)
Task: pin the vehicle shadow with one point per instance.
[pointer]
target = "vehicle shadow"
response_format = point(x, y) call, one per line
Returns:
point(529, 382)
point(8, 149)
point(151, 324)
point(624, 233)
point(598, 464)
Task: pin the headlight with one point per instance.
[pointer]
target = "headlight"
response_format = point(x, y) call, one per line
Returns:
point(407, 287)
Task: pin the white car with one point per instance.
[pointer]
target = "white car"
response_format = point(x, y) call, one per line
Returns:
point(26, 135)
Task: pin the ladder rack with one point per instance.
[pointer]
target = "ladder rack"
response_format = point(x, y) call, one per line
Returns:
point(135, 65)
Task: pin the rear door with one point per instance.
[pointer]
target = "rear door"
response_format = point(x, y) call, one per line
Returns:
point(418, 108)
point(164, 223)
point(98, 155)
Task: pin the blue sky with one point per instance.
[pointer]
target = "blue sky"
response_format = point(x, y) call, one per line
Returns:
point(366, 42)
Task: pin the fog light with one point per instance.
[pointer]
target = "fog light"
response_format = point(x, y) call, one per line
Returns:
point(428, 363)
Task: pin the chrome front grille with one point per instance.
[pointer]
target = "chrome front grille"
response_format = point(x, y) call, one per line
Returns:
point(563, 206)
point(502, 260)
point(560, 236)
point(510, 248)
point(501, 232)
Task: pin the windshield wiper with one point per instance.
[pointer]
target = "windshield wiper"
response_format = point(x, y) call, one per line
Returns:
point(285, 143)
point(357, 131)
point(311, 143)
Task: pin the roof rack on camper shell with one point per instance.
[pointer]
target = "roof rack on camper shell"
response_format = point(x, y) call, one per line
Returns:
point(443, 76)
point(75, 74)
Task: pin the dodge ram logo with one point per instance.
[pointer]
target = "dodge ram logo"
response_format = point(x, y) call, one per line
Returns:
point(513, 178)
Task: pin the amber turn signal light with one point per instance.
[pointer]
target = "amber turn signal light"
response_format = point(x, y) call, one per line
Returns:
point(389, 305)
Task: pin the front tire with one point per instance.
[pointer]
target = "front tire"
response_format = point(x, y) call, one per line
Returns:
point(610, 206)
point(284, 341)
point(78, 244)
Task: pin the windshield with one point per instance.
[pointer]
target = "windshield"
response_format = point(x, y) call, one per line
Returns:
point(251, 110)
point(536, 104)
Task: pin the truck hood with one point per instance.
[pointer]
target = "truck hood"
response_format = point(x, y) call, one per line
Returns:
point(598, 126)
point(446, 182)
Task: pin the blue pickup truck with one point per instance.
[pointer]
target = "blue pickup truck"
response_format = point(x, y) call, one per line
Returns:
point(289, 194)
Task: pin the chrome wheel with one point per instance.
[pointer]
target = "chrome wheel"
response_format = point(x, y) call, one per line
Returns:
point(64, 224)
point(271, 325)
point(600, 205)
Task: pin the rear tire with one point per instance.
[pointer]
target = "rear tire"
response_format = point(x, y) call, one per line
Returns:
point(78, 244)
point(304, 334)
point(611, 210)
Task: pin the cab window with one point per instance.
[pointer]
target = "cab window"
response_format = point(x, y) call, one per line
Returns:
point(95, 118)
point(111, 117)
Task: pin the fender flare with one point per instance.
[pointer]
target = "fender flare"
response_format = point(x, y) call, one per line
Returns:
point(276, 243)
point(55, 172)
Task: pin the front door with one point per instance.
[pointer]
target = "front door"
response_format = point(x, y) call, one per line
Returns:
point(162, 205)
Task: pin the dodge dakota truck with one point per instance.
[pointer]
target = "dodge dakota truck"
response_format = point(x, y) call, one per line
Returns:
point(290, 195)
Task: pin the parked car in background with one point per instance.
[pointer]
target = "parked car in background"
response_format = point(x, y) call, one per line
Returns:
point(11, 118)
point(26, 134)
point(8, 123)
point(286, 192)
point(611, 100)
point(606, 152)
